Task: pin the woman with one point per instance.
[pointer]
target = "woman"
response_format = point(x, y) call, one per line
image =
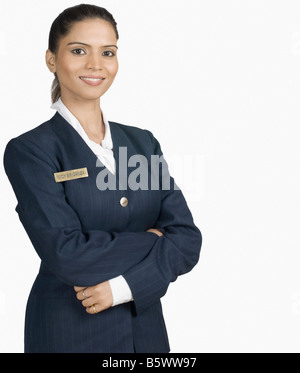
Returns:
point(110, 239)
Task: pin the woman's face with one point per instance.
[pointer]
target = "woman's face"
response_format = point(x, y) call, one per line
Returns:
point(86, 61)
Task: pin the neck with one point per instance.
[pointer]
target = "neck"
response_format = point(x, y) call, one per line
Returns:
point(89, 115)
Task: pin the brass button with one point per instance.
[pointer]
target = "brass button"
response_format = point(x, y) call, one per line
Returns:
point(123, 201)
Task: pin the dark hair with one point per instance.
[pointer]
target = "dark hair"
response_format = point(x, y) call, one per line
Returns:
point(61, 26)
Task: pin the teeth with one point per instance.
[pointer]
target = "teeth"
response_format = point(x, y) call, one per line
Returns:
point(91, 79)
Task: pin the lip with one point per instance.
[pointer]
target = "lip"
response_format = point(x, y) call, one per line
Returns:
point(97, 80)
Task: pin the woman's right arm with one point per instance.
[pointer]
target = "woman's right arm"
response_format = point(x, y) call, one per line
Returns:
point(75, 257)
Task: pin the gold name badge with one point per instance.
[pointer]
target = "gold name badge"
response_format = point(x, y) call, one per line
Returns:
point(71, 175)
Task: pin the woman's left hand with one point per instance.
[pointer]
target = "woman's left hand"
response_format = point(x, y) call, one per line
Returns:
point(95, 298)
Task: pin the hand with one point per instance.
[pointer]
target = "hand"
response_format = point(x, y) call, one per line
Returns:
point(95, 298)
point(156, 231)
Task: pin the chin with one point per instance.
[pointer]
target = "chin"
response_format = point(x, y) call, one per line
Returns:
point(89, 97)
point(92, 95)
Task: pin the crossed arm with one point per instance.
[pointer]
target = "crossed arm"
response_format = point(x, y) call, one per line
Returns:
point(98, 298)
point(151, 262)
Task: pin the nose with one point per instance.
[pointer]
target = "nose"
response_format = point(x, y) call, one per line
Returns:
point(94, 61)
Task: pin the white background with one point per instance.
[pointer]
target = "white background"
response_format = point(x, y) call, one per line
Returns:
point(218, 83)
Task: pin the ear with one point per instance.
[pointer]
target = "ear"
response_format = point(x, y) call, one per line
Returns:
point(50, 61)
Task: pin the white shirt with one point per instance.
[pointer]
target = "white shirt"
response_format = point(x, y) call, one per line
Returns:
point(103, 152)
point(119, 287)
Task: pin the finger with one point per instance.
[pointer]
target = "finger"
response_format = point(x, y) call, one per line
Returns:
point(93, 309)
point(100, 305)
point(78, 288)
point(156, 231)
point(89, 302)
point(84, 293)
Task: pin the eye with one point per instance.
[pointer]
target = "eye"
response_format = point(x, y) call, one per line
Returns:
point(78, 51)
point(108, 54)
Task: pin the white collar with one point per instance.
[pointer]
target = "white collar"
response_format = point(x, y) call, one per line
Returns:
point(73, 121)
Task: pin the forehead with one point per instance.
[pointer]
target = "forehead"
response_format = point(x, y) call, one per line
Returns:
point(91, 31)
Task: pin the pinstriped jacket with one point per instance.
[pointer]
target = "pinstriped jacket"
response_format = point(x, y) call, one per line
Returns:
point(84, 236)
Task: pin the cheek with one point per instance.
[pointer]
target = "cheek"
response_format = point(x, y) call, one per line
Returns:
point(67, 67)
point(113, 69)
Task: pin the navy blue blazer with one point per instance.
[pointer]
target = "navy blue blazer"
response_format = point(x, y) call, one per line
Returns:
point(84, 236)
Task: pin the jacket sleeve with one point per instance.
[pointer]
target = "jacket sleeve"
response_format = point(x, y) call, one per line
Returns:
point(173, 254)
point(75, 257)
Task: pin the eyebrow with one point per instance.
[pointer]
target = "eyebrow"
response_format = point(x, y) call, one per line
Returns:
point(87, 45)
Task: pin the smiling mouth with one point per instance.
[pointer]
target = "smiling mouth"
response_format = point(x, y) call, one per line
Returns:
point(91, 79)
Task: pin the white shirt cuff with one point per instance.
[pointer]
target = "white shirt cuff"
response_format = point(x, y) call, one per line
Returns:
point(120, 290)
